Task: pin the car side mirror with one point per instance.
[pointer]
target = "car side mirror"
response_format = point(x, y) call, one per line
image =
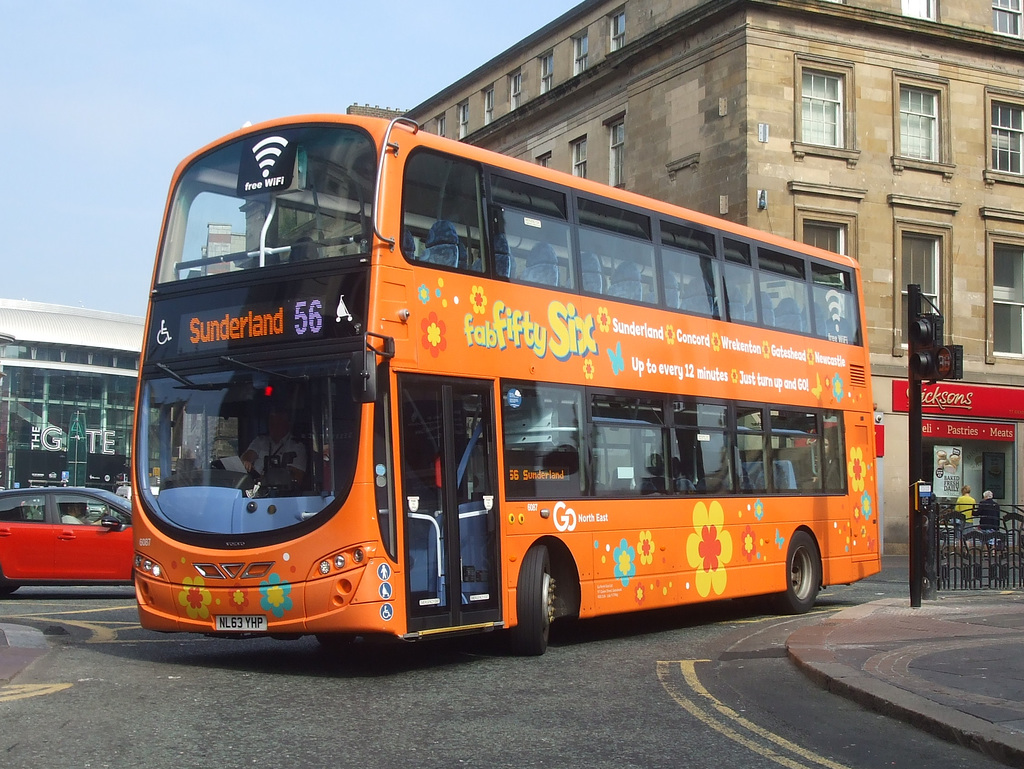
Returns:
point(110, 523)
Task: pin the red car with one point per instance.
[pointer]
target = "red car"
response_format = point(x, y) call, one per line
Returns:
point(64, 536)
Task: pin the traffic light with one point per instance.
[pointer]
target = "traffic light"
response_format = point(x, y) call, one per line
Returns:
point(930, 358)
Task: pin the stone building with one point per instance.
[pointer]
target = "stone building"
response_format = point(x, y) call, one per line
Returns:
point(889, 130)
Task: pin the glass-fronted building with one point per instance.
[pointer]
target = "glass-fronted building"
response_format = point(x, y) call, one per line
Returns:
point(67, 394)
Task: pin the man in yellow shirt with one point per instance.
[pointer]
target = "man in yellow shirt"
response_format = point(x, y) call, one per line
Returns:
point(965, 504)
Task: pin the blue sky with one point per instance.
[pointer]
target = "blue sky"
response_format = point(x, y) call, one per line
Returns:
point(100, 100)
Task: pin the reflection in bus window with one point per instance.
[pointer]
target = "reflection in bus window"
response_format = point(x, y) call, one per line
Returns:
point(784, 290)
point(700, 461)
point(442, 212)
point(834, 304)
point(532, 234)
point(214, 228)
point(541, 427)
point(793, 446)
point(750, 445)
point(628, 445)
point(621, 250)
point(690, 271)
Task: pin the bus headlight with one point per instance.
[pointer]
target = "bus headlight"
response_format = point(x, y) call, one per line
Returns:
point(339, 561)
point(325, 567)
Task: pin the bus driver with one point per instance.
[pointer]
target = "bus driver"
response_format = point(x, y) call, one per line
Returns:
point(277, 457)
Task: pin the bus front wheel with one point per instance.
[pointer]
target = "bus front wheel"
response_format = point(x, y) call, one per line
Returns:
point(803, 575)
point(535, 603)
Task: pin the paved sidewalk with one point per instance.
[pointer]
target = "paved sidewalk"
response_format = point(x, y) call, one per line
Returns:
point(20, 646)
point(953, 667)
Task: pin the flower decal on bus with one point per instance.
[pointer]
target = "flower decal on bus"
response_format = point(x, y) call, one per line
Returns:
point(423, 293)
point(433, 334)
point(478, 299)
point(275, 595)
point(624, 566)
point(646, 548)
point(856, 468)
point(670, 334)
point(748, 543)
point(709, 548)
point(588, 368)
point(866, 508)
point(604, 320)
point(195, 598)
point(837, 387)
point(240, 599)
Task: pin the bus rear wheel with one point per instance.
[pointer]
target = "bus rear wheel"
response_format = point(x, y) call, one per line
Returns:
point(803, 575)
point(535, 603)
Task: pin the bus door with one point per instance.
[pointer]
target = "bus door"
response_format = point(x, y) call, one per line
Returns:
point(449, 499)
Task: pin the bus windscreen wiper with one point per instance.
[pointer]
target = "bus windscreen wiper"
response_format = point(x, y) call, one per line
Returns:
point(185, 381)
point(268, 372)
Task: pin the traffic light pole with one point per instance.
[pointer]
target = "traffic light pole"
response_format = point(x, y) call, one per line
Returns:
point(929, 359)
point(914, 426)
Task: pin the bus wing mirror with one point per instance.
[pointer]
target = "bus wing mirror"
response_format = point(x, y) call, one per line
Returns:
point(364, 376)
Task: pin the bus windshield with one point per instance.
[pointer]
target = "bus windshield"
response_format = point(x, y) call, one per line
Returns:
point(245, 451)
point(282, 196)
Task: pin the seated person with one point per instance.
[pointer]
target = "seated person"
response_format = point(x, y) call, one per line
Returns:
point(277, 458)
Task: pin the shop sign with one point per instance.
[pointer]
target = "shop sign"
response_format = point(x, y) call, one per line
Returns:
point(965, 400)
point(935, 429)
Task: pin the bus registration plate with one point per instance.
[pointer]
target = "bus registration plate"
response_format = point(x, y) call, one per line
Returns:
point(241, 623)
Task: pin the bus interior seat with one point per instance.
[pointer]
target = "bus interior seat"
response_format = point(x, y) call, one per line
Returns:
point(541, 265)
point(626, 282)
point(592, 273)
point(783, 475)
point(502, 256)
point(408, 244)
point(673, 300)
point(694, 297)
point(653, 481)
point(788, 315)
point(767, 313)
point(443, 246)
point(752, 476)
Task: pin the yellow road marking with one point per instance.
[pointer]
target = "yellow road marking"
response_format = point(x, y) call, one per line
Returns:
point(688, 671)
point(24, 691)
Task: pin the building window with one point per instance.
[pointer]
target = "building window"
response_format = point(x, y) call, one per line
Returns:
point(544, 160)
point(1008, 299)
point(515, 89)
point(921, 266)
point(439, 125)
point(1007, 137)
point(463, 111)
point(579, 53)
point(919, 124)
point(822, 109)
point(1006, 17)
point(919, 9)
point(825, 235)
point(617, 30)
point(488, 105)
point(547, 71)
point(617, 146)
point(579, 157)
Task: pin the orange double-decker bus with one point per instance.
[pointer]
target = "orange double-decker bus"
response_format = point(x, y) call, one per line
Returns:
point(398, 385)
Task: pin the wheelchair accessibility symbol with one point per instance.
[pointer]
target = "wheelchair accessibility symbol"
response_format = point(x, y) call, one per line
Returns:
point(387, 611)
point(163, 336)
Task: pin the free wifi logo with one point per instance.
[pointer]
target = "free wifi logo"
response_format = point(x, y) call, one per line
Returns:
point(267, 152)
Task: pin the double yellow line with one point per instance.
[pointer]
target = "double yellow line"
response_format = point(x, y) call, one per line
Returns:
point(680, 680)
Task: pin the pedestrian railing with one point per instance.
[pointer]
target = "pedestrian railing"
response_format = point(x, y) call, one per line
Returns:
point(969, 557)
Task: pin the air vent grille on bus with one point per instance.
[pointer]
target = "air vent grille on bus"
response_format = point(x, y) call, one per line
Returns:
point(857, 377)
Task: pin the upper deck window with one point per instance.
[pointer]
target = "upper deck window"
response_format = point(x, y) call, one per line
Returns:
point(275, 197)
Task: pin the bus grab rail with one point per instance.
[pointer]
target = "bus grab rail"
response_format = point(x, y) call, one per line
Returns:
point(386, 145)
